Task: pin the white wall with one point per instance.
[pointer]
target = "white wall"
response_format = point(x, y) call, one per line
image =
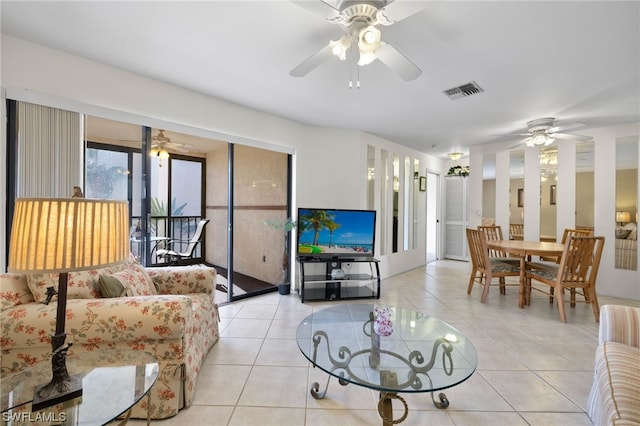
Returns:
point(611, 281)
point(49, 77)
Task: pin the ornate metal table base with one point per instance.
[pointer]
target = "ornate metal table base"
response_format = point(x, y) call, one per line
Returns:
point(388, 379)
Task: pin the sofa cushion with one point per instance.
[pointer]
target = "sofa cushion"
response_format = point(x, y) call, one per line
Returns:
point(136, 281)
point(111, 286)
point(14, 290)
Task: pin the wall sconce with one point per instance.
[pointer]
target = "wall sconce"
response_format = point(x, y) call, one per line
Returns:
point(623, 217)
point(455, 156)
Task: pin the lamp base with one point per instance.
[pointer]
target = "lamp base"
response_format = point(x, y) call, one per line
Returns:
point(56, 392)
point(62, 386)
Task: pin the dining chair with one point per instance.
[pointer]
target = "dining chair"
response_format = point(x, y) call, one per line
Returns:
point(551, 263)
point(566, 235)
point(173, 256)
point(492, 233)
point(484, 269)
point(577, 272)
point(516, 231)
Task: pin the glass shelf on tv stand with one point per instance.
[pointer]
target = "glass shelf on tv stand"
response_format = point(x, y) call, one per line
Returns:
point(347, 285)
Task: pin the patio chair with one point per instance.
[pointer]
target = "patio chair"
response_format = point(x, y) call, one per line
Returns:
point(577, 272)
point(172, 256)
point(483, 268)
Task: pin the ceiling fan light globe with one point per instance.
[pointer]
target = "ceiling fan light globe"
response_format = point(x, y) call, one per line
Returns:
point(339, 47)
point(163, 154)
point(538, 139)
point(548, 141)
point(366, 58)
point(369, 39)
point(154, 151)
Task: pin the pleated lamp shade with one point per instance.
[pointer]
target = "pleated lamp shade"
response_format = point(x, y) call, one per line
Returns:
point(623, 217)
point(68, 234)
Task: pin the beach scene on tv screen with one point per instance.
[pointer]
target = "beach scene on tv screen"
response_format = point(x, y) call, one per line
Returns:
point(335, 232)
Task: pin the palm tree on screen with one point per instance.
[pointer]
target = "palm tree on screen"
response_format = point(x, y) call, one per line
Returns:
point(332, 226)
point(316, 220)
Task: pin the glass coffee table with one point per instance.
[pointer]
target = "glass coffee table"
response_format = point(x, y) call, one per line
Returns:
point(113, 381)
point(419, 353)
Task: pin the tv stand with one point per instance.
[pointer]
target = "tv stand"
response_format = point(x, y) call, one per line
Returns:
point(332, 279)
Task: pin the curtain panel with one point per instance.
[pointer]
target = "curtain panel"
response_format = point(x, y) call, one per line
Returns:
point(50, 151)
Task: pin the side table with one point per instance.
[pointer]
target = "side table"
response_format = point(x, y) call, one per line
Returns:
point(113, 381)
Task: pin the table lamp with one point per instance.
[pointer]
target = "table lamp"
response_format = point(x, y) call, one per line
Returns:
point(623, 217)
point(61, 235)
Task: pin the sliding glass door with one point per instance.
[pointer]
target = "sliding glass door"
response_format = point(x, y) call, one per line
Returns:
point(260, 210)
point(172, 181)
point(114, 170)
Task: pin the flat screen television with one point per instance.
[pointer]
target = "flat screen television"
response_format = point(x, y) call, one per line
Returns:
point(336, 233)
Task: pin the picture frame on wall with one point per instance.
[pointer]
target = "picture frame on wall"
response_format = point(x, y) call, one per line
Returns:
point(520, 197)
point(552, 195)
point(423, 183)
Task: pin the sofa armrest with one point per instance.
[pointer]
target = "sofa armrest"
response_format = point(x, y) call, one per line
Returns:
point(620, 324)
point(92, 321)
point(184, 279)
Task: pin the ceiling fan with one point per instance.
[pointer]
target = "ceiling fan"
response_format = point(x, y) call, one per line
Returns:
point(161, 143)
point(543, 132)
point(359, 20)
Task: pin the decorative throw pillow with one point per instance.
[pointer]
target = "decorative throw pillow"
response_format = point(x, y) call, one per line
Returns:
point(80, 284)
point(136, 280)
point(111, 287)
point(38, 284)
point(14, 290)
point(633, 231)
point(622, 233)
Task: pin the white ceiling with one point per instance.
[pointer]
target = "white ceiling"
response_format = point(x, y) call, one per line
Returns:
point(577, 61)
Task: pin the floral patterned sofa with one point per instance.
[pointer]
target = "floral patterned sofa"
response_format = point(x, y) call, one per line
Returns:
point(168, 312)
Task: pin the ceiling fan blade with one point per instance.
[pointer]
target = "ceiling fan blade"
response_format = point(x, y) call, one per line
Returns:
point(319, 8)
point(565, 127)
point(517, 144)
point(399, 10)
point(178, 148)
point(397, 62)
point(569, 136)
point(312, 61)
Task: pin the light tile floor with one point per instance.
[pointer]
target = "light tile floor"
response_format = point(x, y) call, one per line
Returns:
point(532, 369)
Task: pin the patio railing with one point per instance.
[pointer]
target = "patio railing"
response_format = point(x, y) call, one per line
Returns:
point(180, 228)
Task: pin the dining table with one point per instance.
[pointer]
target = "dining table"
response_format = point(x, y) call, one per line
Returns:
point(525, 249)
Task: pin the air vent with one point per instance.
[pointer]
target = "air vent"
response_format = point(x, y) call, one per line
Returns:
point(463, 91)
